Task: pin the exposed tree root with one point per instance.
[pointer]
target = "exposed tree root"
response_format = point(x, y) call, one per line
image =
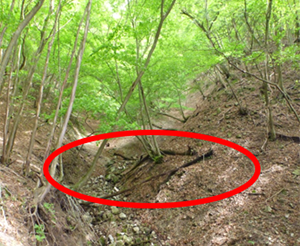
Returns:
point(124, 157)
point(190, 151)
point(199, 158)
point(46, 221)
point(288, 138)
point(136, 164)
point(169, 174)
point(139, 163)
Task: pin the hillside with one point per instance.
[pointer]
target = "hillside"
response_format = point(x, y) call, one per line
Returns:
point(208, 74)
point(267, 213)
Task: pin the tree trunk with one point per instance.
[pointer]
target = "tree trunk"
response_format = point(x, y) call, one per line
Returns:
point(26, 169)
point(54, 163)
point(27, 85)
point(271, 127)
point(163, 17)
point(14, 39)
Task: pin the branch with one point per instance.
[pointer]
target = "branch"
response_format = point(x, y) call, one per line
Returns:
point(268, 82)
point(241, 70)
point(169, 173)
point(173, 117)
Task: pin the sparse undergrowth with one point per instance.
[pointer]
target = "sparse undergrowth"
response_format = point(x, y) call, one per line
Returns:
point(265, 214)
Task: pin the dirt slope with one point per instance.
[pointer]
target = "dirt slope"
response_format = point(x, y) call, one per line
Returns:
point(265, 214)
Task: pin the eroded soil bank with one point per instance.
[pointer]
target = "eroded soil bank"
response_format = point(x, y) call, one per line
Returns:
point(267, 213)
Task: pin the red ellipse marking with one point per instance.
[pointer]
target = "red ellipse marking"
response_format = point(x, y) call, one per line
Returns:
point(219, 197)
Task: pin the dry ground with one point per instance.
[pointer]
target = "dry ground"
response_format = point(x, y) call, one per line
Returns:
point(267, 213)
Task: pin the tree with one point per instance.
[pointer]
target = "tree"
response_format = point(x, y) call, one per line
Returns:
point(14, 39)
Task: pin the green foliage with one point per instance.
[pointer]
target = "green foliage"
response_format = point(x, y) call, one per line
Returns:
point(39, 232)
point(120, 37)
point(50, 208)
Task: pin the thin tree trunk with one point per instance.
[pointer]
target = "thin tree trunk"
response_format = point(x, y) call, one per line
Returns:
point(253, 38)
point(39, 102)
point(99, 152)
point(157, 154)
point(26, 88)
point(297, 25)
point(4, 157)
point(181, 109)
point(9, 102)
point(271, 127)
point(5, 28)
point(14, 39)
point(247, 72)
point(154, 150)
point(50, 139)
point(67, 116)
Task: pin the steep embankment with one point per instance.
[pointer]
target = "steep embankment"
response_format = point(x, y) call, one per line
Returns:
point(266, 213)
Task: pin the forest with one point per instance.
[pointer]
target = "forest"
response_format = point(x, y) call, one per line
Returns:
point(75, 69)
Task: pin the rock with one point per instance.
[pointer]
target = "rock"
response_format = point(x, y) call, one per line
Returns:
point(107, 215)
point(87, 218)
point(115, 210)
point(127, 239)
point(136, 229)
point(119, 243)
point(111, 238)
point(122, 216)
point(153, 234)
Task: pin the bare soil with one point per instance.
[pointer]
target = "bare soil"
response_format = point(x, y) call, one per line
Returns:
point(267, 213)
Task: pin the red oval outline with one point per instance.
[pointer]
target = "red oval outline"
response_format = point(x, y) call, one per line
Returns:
point(200, 136)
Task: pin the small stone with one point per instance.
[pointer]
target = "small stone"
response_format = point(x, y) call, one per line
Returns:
point(136, 229)
point(119, 243)
point(107, 215)
point(115, 210)
point(87, 218)
point(122, 216)
point(127, 239)
point(153, 234)
point(111, 238)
